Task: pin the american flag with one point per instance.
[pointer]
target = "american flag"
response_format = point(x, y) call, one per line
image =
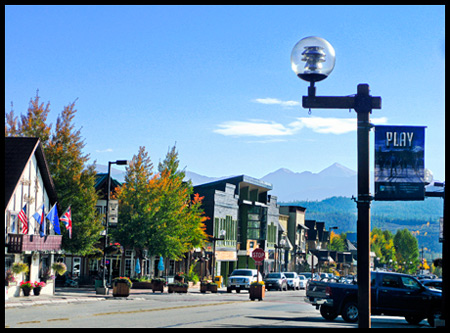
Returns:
point(23, 219)
point(67, 220)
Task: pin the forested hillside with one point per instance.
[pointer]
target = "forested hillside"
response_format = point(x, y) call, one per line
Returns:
point(420, 217)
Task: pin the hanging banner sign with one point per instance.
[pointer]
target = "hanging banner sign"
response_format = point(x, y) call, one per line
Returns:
point(399, 162)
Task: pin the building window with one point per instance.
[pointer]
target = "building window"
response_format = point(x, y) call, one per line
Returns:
point(229, 225)
point(256, 222)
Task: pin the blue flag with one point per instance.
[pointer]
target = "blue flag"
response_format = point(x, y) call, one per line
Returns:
point(39, 217)
point(52, 216)
point(161, 264)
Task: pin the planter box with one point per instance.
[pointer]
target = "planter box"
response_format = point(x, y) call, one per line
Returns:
point(177, 289)
point(158, 286)
point(121, 289)
point(208, 287)
point(142, 285)
point(257, 292)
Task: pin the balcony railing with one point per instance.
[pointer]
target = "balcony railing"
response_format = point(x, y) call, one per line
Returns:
point(18, 243)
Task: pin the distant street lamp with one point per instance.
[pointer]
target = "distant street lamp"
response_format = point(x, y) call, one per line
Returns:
point(222, 234)
point(118, 162)
point(279, 248)
point(312, 60)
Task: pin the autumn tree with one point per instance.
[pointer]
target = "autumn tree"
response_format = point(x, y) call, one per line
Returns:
point(382, 244)
point(156, 210)
point(337, 243)
point(75, 183)
point(74, 180)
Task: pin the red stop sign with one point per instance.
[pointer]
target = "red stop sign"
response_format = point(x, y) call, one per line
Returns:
point(258, 254)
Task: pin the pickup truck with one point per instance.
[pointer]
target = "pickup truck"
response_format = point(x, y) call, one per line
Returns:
point(392, 294)
point(242, 279)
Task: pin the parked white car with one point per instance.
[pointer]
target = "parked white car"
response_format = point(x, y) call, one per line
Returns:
point(303, 281)
point(241, 279)
point(293, 281)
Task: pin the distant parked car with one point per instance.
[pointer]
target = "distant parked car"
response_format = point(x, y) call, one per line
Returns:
point(276, 281)
point(293, 281)
point(241, 279)
point(432, 283)
point(302, 281)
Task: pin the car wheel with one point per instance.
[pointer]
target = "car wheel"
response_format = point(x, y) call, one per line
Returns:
point(327, 312)
point(350, 312)
point(414, 319)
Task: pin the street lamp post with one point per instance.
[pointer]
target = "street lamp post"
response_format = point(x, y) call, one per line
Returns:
point(222, 234)
point(313, 59)
point(118, 162)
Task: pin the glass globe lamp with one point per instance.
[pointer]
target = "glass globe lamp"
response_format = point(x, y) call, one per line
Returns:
point(312, 59)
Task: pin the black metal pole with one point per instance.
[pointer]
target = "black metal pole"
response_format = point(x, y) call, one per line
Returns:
point(363, 104)
point(106, 230)
point(363, 109)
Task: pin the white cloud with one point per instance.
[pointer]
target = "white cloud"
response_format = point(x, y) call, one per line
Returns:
point(252, 128)
point(276, 101)
point(108, 150)
point(262, 128)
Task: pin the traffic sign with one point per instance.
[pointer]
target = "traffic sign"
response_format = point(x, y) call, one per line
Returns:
point(258, 254)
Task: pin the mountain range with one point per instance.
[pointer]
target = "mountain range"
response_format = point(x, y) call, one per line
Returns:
point(336, 180)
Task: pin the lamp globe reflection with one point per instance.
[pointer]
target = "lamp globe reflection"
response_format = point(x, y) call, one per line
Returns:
point(312, 59)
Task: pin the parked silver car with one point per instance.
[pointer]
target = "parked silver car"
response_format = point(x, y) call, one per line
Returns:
point(276, 281)
point(302, 281)
point(293, 281)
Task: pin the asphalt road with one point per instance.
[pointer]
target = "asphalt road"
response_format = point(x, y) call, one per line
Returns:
point(278, 309)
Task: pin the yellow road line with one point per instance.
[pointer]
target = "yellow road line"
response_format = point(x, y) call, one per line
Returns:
point(163, 309)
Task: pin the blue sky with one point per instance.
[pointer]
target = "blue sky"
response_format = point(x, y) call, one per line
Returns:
point(217, 80)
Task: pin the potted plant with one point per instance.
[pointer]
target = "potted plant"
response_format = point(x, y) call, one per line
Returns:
point(257, 290)
point(37, 286)
point(59, 267)
point(19, 267)
point(143, 282)
point(26, 287)
point(158, 284)
point(178, 287)
point(9, 278)
point(114, 248)
point(46, 275)
point(121, 286)
point(179, 277)
point(207, 285)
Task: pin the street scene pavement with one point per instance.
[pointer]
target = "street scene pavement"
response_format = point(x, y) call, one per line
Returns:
point(81, 307)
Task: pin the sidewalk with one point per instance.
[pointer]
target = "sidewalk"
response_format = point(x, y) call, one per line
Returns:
point(70, 295)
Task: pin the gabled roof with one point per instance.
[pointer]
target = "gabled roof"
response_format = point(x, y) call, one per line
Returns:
point(101, 184)
point(241, 180)
point(18, 151)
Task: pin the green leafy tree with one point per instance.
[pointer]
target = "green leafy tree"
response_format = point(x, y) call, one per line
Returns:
point(156, 210)
point(337, 243)
point(382, 244)
point(75, 183)
point(74, 180)
point(407, 250)
point(137, 202)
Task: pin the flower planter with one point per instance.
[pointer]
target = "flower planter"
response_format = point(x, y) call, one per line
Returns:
point(26, 291)
point(204, 287)
point(178, 288)
point(158, 285)
point(37, 291)
point(257, 292)
point(121, 289)
point(142, 285)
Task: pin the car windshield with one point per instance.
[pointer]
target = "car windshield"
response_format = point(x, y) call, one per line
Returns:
point(273, 276)
point(290, 275)
point(242, 273)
